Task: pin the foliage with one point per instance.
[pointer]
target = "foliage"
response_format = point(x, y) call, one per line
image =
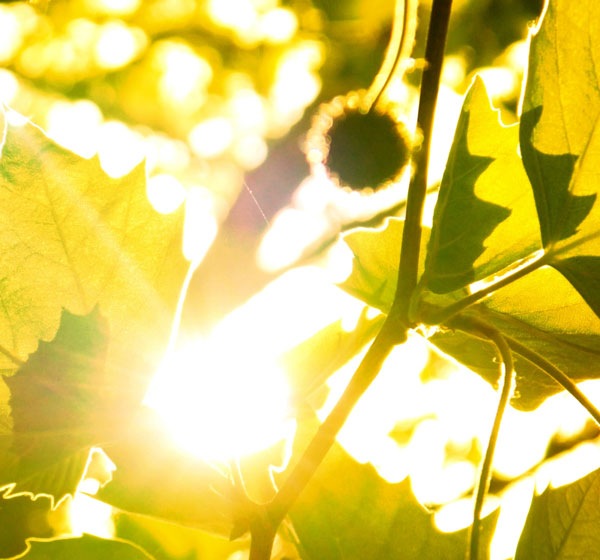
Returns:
point(92, 278)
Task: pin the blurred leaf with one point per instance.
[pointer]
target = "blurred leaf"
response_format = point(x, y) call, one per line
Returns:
point(86, 547)
point(375, 265)
point(484, 180)
point(312, 362)
point(22, 518)
point(75, 239)
point(157, 479)
point(349, 512)
point(543, 312)
point(563, 522)
point(60, 408)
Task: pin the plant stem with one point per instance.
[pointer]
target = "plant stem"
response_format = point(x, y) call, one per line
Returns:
point(262, 533)
point(506, 372)
point(11, 357)
point(443, 315)
point(411, 240)
point(555, 374)
point(389, 336)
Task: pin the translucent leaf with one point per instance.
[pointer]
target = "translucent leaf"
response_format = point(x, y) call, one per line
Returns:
point(563, 522)
point(349, 512)
point(544, 313)
point(87, 547)
point(60, 407)
point(156, 479)
point(485, 217)
point(72, 237)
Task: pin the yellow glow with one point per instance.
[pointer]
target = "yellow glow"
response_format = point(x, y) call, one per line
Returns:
point(501, 82)
point(250, 151)
point(239, 15)
point(459, 514)
point(200, 224)
point(118, 44)
point(88, 515)
point(247, 110)
point(113, 7)
point(185, 74)
point(226, 395)
point(11, 35)
point(165, 193)
point(296, 82)
point(211, 137)
point(120, 149)
point(9, 86)
point(278, 25)
point(75, 126)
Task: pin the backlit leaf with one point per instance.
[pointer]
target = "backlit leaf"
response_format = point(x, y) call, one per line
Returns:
point(485, 217)
point(74, 239)
point(156, 479)
point(349, 512)
point(563, 522)
point(87, 547)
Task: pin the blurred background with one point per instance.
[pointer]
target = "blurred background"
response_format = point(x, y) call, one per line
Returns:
point(218, 96)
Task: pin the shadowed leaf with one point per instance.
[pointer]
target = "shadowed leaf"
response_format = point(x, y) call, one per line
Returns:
point(87, 547)
point(485, 216)
point(563, 523)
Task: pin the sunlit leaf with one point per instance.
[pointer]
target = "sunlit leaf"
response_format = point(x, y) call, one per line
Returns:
point(485, 215)
point(349, 512)
point(563, 522)
point(375, 266)
point(543, 312)
point(74, 239)
point(87, 547)
point(560, 108)
point(157, 479)
point(312, 362)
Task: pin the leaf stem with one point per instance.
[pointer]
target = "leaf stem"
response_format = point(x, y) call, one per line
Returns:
point(411, 240)
point(11, 357)
point(506, 372)
point(440, 316)
point(390, 335)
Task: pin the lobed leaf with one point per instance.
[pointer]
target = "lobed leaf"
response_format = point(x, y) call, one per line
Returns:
point(563, 522)
point(75, 242)
point(485, 217)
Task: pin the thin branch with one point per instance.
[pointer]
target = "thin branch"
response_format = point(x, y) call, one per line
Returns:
point(445, 314)
point(411, 239)
point(389, 336)
point(394, 54)
point(11, 357)
point(506, 372)
point(468, 324)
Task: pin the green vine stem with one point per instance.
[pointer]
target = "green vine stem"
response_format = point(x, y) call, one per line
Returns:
point(506, 376)
point(472, 325)
point(411, 239)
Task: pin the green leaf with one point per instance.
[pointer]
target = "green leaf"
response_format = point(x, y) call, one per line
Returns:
point(561, 105)
point(375, 266)
point(87, 547)
point(60, 407)
point(156, 479)
point(485, 217)
point(563, 522)
point(73, 238)
point(312, 362)
point(546, 314)
point(20, 519)
point(349, 512)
